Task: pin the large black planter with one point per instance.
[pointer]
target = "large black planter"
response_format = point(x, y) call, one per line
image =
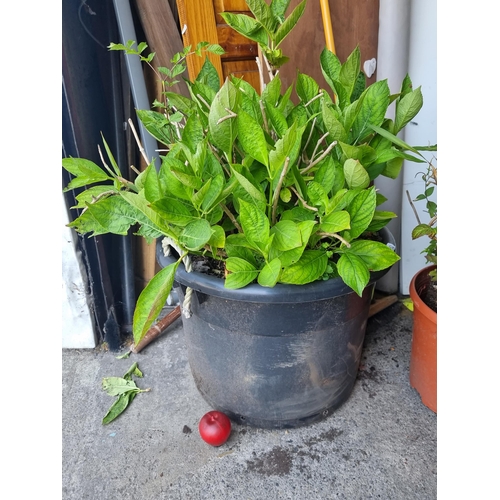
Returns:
point(274, 357)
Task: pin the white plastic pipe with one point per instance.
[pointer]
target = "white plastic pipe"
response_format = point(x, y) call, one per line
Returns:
point(392, 64)
point(421, 131)
point(136, 76)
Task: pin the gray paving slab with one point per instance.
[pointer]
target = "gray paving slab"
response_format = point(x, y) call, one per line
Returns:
point(381, 444)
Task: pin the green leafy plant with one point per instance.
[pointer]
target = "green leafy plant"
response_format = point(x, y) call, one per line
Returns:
point(427, 229)
point(123, 387)
point(281, 192)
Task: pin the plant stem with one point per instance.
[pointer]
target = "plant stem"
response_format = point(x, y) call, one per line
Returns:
point(231, 114)
point(413, 206)
point(320, 157)
point(302, 200)
point(335, 235)
point(138, 141)
point(278, 189)
point(231, 217)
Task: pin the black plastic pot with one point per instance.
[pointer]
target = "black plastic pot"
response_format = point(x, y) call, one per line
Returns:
point(277, 357)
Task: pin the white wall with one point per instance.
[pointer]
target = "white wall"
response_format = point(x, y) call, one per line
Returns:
point(77, 325)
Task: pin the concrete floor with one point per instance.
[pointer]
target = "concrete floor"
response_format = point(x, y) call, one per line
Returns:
point(381, 444)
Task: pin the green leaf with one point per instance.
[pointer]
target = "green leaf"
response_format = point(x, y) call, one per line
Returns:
point(144, 214)
point(286, 235)
point(152, 299)
point(359, 86)
point(241, 273)
point(254, 223)
point(372, 111)
point(335, 222)
point(364, 153)
point(290, 257)
point(108, 215)
point(174, 211)
point(361, 210)
point(112, 160)
point(125, 355)
point(246, 26)
point(85, 171)
point(222, 124)
point(423, 230)
point(251, 137)
point(353, 272)
point(289, 23)
point(285, 195)
point(394, 139)
point(157, 124)
point(152, 189)
point(376, 255)
point(350, 70)
point(407, 108)
point(286, 147)
point(90, 194)
point(118, 407)
point(272, 92)
point(215, 48)
point(279, 7)
point(185, 177)
point(209, 75)
point(277, 118)
point(192, 134)
point(356, 175)
point(380, 220)
point(270, 273)
point(212, 195)
point(309, 268)
point(253, 190)
point(133, 370)
point(317, 196)
point(115, 386)
point(298, 214)
point(306, 87)
point(333, 126)
point(263, 14)
point(181, 103)
point(393, 167)
point(195, 235)
point(218, 237)
point(330, 67)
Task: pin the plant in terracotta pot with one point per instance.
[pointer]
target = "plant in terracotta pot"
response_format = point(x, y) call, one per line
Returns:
point(423, 293)
point(266, 218)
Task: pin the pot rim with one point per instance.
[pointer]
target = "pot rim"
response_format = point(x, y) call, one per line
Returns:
point(415, 297)
point(280, 293)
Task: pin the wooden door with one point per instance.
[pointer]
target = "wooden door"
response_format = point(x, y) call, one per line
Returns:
point(354, 22)
point(200, 20)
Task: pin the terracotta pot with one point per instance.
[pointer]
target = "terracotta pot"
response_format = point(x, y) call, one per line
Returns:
point(423, 361)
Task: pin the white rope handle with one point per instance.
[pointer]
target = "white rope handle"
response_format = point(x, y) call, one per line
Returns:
point(167, 243)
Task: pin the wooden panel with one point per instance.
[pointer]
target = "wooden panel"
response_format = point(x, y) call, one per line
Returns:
point(162, 34)
point(353, 21)
point(235, 45)
point(235, 6)
point(197, 20)
point(242, 69)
